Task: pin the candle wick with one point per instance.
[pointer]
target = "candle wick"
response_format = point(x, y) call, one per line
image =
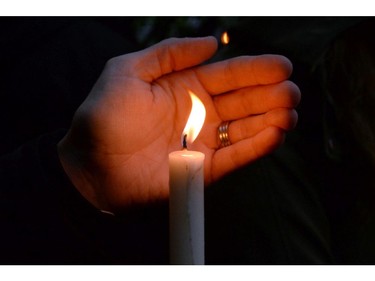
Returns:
point(184, 143)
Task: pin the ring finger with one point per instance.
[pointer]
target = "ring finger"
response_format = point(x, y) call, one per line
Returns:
point(248, 127)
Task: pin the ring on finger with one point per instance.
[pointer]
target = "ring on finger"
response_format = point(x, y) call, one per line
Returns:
point(223, 134)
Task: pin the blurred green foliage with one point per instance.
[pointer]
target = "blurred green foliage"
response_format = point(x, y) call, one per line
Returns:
point(146, 31)
point(302, 38)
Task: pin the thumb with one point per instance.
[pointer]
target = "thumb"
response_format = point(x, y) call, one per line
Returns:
point(171, 55)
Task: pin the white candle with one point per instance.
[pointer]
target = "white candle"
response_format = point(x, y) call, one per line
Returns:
point(186, 207)
point(186, 201)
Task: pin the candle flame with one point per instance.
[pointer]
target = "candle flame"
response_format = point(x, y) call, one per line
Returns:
point(196, 119)
point(225, 38)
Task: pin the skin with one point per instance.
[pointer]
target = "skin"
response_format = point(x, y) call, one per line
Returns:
point(116, 151)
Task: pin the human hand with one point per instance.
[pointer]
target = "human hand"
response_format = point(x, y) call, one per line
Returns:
point(116, 152)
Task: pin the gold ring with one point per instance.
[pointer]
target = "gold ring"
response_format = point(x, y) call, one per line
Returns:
point(223, 134)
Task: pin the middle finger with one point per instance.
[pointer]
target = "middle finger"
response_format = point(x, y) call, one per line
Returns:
point(256, 100)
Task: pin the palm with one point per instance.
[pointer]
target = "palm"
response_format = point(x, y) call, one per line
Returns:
point(134, 150)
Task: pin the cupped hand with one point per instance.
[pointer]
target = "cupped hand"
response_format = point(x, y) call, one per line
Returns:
point(116, 151)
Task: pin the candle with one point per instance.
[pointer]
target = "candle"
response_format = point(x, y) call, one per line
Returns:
point(186, 201)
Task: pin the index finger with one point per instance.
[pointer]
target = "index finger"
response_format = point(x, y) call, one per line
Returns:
point(243, 71)
point(169, 55)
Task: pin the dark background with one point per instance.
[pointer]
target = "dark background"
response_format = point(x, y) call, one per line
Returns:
point(48, 65)
point(275, 211)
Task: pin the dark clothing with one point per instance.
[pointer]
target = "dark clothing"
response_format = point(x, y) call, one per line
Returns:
point(292, 207)
point(46, 221)
point(266, 213)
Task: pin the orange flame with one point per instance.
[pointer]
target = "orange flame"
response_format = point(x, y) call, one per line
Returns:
point(196, 119)
point(225, 38)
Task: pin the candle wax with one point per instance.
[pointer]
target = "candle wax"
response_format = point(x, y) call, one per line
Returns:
point(186, 207)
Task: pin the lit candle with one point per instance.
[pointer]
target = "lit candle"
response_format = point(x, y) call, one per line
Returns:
point(186, 201)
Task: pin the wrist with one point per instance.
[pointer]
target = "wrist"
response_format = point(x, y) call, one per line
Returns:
point(73, 164)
